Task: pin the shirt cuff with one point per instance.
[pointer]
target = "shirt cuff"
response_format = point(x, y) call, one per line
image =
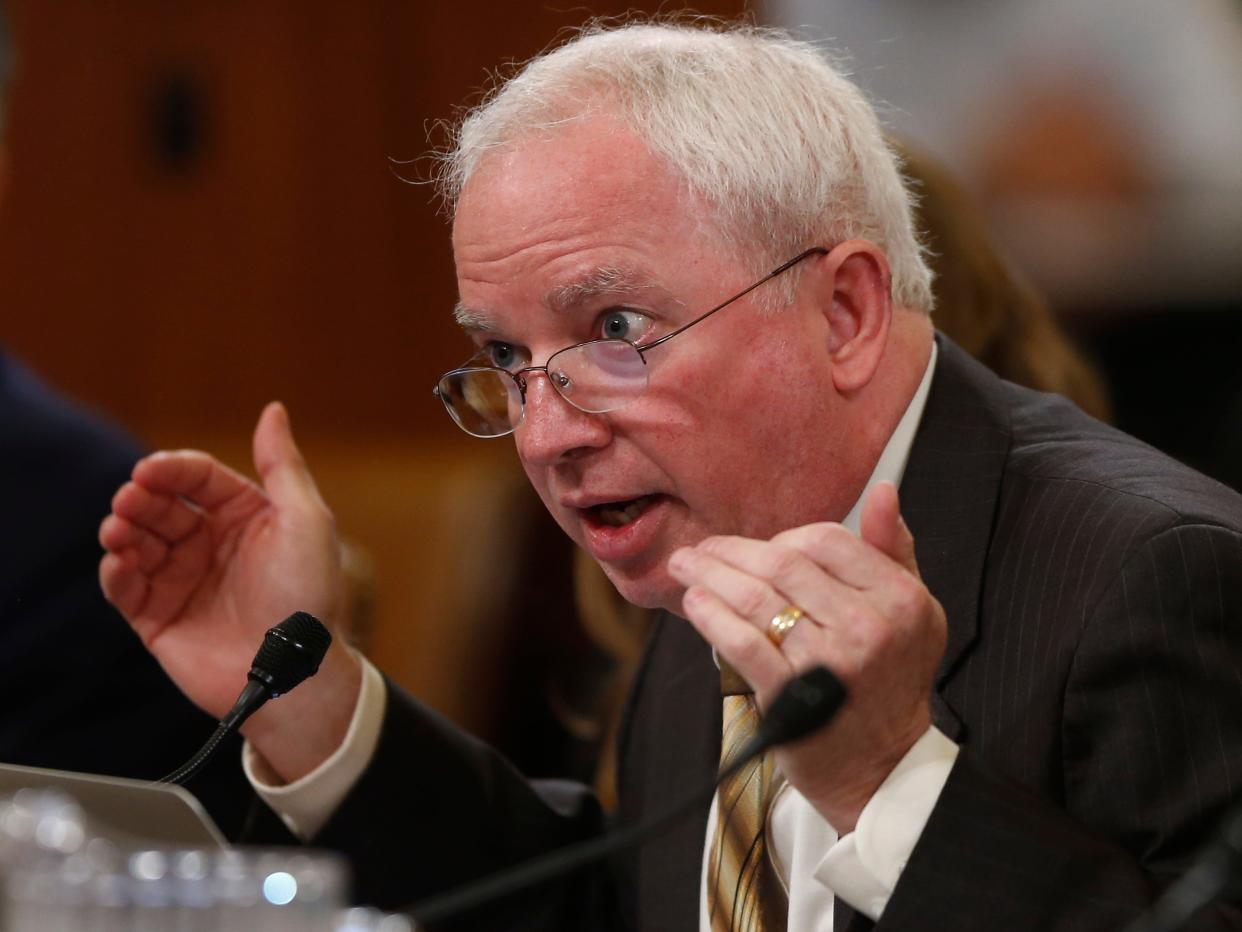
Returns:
point(307, 803)
point(863, 867)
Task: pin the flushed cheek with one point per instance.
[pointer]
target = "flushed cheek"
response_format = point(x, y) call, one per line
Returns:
point(757, 478)
point(721, 502)
point(695, 454)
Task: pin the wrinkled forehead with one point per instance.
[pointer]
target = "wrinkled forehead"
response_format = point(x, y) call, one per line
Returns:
point(591, 170)
point(559, 220)
point(594, 164)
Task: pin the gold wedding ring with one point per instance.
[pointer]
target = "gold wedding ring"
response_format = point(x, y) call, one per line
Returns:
point(782, 623)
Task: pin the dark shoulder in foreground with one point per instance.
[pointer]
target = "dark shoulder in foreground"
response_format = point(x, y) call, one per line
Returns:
point(59, 470)
point(78, 691)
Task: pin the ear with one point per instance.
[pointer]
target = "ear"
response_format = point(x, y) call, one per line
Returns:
point(858, 311)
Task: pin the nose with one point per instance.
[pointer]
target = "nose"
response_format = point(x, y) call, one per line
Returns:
point(553, 430)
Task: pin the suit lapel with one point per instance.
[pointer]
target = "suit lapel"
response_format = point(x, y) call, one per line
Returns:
point(845, 919)
point(949, 494)
point(674, 737)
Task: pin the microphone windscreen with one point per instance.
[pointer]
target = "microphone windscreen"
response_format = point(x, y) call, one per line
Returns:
point(291, 651)
point(807, 702)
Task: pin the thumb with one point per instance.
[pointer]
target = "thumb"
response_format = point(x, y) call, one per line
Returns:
point(286, 478)
point(883, 528)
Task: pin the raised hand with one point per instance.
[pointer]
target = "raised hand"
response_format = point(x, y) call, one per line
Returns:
point(201, 561)
point(868, 618)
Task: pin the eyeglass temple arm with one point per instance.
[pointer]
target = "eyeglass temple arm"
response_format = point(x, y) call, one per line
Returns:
point(814, 250)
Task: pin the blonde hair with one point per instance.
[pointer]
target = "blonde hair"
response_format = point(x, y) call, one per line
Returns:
point(761, 126)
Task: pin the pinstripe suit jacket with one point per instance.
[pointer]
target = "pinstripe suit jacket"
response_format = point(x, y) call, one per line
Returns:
point(1093, 675)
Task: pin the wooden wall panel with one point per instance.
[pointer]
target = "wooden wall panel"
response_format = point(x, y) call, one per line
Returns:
point(271, 252)
point(280, 257)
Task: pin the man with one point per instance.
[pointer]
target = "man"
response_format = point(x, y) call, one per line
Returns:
point(77, 689)
point(1026, 638)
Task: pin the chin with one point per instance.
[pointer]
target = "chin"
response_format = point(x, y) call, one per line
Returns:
point(651, 589)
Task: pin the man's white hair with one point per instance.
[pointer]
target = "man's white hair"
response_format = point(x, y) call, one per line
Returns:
point(761, 126)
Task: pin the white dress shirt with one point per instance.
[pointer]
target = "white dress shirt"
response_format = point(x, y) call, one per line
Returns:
point(814, 864)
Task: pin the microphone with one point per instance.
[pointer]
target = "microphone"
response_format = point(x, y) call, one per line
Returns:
point(807, 702)
point(291, 651)
point(1207, 878)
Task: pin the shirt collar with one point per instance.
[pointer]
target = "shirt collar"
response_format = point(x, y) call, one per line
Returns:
point(891, 465)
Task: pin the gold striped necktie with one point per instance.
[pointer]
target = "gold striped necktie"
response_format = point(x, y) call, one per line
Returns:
point(743, 892)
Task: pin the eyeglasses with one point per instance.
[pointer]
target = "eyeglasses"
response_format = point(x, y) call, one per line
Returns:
point(596, 377)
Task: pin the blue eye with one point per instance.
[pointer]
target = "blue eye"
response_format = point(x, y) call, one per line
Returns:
point(621, 324)
point(503, 355)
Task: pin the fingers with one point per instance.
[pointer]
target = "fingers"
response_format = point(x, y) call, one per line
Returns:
point(159, 539)
point(138, 508)
point(285, 475)
point(854, 591)
point(723, 604)
point(171, 492)
point(863, 563)
point(174, 582)
point(736, 639)
point(194, 476)
point(139, 536)
point(116, 534)
point(751, 581)
point(146, 578)
point(124, 585)
point(758, 579)
point(883, 528)
point(868, 618)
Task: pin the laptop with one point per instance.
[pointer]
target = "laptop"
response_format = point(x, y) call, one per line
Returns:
point(129, 812)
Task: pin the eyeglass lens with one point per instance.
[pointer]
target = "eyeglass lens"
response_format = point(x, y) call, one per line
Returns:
point(595, 377)
point(483, 402)
point(600, 376)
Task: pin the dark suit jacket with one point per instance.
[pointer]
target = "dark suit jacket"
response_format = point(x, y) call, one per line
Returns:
point(1093, 677)
point(78, 691)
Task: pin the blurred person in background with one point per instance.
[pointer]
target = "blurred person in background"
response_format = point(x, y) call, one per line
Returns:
point(77, 689)
point(1025, 636)
point(1103, 139)
point(1104, 143)
point(984, 302)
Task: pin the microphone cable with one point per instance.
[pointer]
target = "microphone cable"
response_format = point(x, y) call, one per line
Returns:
point(1207, 878)
point(807, 702)
point(291, 651)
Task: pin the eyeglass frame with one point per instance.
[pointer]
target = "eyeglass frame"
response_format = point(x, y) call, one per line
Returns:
point(519, 376)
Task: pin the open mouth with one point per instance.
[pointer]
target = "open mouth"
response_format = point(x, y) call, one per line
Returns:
point(619, 514)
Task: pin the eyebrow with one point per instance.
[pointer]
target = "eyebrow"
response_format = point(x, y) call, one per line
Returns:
point(470, 320)
point(604, 280)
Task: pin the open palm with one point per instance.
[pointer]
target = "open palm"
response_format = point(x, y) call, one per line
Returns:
point(201, 560)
